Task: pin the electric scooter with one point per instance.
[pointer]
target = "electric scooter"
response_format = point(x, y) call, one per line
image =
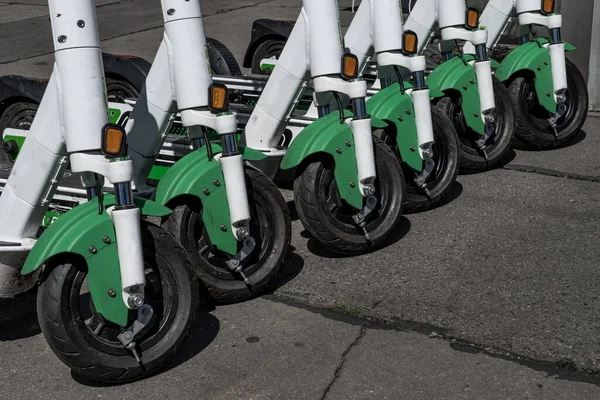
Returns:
point(117, 296)
point(463, 87)
point(548, 93)
point(237, 245)
point(427, 147)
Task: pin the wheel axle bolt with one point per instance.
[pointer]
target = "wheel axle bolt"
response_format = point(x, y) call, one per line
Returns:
point(206, 191)
point(223, 228)
point(127, 335)
point(92, 249)
point(137, 301)
point(106, 239)
point(112, 293)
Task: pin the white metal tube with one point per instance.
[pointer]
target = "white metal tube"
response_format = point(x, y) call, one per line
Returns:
point(528, 5)
point(322, 26)
point(559, 67)
point(365, 154)
point(235, 184)
point(129, 248)
point(483, 71)
point(420, 99)
point(387, 25)
point(359, 36)
point(451, 13)
point(494, 18)
point(423, 21)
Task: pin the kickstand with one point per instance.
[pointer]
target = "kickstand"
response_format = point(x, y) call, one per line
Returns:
point(235, 264)
point(361, 218)
point(127, 336)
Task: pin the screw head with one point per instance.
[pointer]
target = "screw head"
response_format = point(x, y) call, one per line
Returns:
point(476, 115)
point(338, 150)
point(348, 143)
point(127, 335)
point(472, 81)
point(465, 87)
point(137, 301)
point(223, 228)
point(412, 148)
point(216, 182)
point(352, 184)
point(81, 23)
point(92, 249)
point(545, 62)
point(145, 312)
point(170, 11)
point(106, 239)
point(206, 191)
point(62, 39)
point(539, 67)
point(112, 293)
point(548, 94)
point(408, 112)
point(401, 118)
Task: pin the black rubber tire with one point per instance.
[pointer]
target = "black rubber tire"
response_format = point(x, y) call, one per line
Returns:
point(316, 195)
point(118, 89)
point(18, 116)
point(221, 59)
point(471, 159)
point(267, 49)
point(270, 226)
point(443, 177)
point(61, 315)
point(531, 125)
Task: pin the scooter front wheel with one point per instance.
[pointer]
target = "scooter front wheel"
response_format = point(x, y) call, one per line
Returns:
point(329, 219)
point(270, 226)
point(89, 345)
point(533, 127)
point(472, 158)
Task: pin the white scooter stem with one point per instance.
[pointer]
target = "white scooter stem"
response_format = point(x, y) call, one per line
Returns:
point(192, 78)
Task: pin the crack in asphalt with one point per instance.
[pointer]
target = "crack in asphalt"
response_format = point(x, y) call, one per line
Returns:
point(563, 369)
point(551, 172)
point(340, 366)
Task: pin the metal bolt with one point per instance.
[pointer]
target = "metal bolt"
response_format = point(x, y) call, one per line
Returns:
point(539, 68)
point(548, 94)
point(243, 233)
point(408, 112)
point(170, 11)
point(62, 39)
point(401, 118)
point(338, 150)
point(352, 184)
point(145, 312)
point(106, 239)
point(127, 335)
point(465, 87)
point(137, 301)
point(348, 144)
point(476, 115)
point(216, 182)
point(545, 62)
point(112, 293)
point(472, 81)
point(92, 250)
point(223, 228)
point(81, 23)
point(206, 191)
point(412, 148)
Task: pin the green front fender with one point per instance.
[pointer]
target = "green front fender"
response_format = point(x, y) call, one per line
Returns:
point(455, 75)
point(397, 111)
point(202, 178)
point(533, 57)
point(82, 231)
point(328, 136)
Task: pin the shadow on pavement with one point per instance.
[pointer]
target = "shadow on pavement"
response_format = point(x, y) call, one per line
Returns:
point(454, 193)
point(508, 158)
point(318, 249)
point(291, 268)
point(18, 317)
point(580, 137)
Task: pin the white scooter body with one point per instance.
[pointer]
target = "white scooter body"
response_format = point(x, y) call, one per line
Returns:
point(67, 128)
point(497, 16)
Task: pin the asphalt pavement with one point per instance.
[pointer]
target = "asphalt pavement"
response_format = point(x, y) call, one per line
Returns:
point(493, 295)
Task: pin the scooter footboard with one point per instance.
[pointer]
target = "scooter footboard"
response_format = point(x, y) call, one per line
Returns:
point(89, 236)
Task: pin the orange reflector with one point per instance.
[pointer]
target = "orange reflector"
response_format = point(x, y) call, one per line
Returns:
point(349, 66)
point(548, 6)
point(113, 139)
point(409, 42)
point(472, 18)
point(217, 97)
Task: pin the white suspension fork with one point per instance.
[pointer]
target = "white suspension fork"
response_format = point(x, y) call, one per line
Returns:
point(325, 44)
point(190, 69)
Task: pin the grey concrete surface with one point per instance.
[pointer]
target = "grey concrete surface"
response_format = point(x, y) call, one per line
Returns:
point(509, 264)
